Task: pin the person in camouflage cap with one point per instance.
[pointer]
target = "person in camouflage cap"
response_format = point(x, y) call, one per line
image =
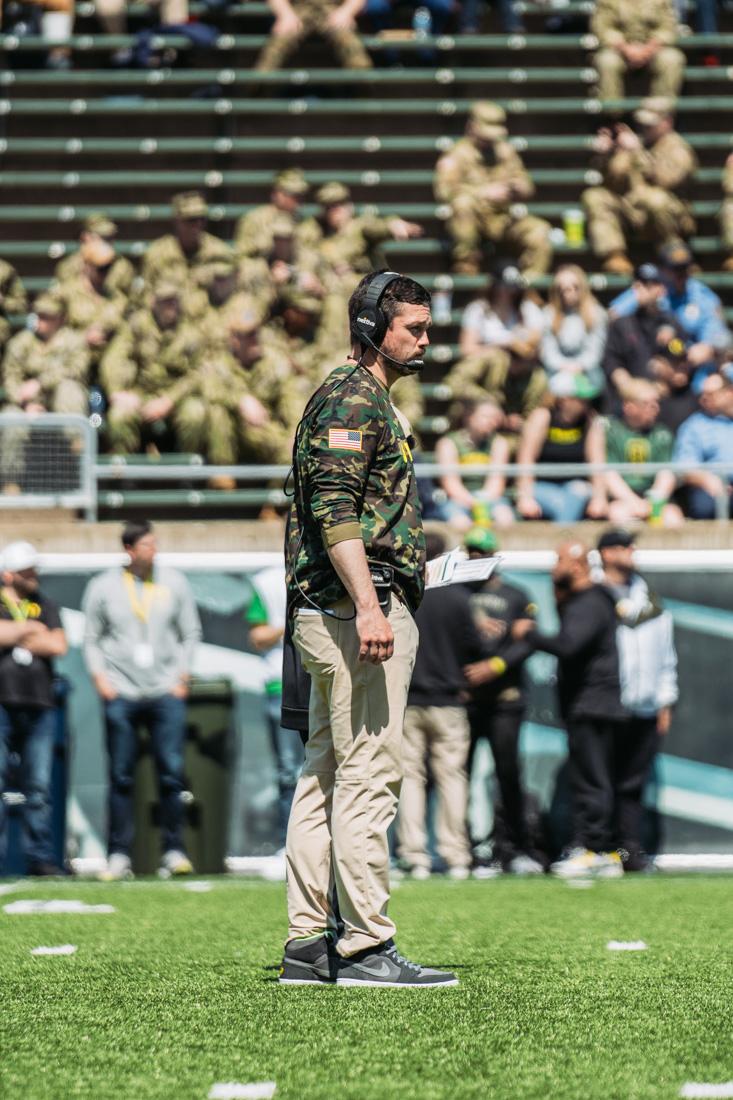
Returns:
point(180, 256)
point(92, 306)
point(254, 232)
point(147, 370)
point(121, 278)
point(297, 20)
point(13, 300)
point(483, 182)
point(355, 500)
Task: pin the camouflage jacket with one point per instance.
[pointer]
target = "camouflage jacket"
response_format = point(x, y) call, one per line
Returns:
point(64, 356)
point(354, 479)
point(254, 235)
point(356, 246)
point(166, 260)
point(13, 298)
point(617, 21)
point(149, 360)
point(465, 170)
point(85, 307)
point(120, 280)
point(669, 163)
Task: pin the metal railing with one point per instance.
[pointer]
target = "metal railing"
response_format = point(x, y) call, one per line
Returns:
point(48, 461)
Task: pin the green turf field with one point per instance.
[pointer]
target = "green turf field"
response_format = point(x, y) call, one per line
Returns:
point(176, 991)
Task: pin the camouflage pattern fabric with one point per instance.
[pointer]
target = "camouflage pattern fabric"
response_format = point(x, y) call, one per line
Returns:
point(166, 260)
point(618, 21)
point(13, 299)
point(60, 364)
point(121, 278)
point(313, 15)
point(357, 480)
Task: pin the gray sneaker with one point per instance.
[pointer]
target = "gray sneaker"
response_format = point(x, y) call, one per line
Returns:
point(309, 962)
point(384, 967)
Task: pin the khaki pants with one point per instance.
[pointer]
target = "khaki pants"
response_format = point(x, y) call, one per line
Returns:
point(666, 70)
point(346, 797)
point(441, 736)
point(648, 212)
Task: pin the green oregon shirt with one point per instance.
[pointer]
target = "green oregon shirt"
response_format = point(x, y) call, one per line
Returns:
point(623, 444)
point(356, 476)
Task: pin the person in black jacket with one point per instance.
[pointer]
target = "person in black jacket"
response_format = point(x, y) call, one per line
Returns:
point(498, 702)
point(650, 344)
point(589, 692)
point(436, 729)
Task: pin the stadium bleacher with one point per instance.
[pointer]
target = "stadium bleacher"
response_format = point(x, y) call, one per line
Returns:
point(123, 140)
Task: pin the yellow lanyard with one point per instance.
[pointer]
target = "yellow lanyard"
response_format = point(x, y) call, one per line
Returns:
point(140, 610)
point(19, 610)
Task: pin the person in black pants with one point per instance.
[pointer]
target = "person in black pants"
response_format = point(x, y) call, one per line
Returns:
point(590, 703)
point(498, 702)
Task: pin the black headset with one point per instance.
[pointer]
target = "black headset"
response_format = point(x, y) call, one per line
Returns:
point(371, 324)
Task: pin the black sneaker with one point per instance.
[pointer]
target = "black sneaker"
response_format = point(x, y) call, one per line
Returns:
point(309, 962)
point(384, 966)
point(46, 870)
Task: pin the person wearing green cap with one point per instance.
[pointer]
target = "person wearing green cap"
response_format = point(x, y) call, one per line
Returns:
point(566, 430)
point(121, 278)
point(255, 232)
point(496, 710)
point(183, 254)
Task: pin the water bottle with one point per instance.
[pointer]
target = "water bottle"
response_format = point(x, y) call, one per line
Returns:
point(422, 23)
point(442, 303)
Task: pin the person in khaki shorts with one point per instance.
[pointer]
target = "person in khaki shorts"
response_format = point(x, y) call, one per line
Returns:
point(354, 525)
point(436, 729)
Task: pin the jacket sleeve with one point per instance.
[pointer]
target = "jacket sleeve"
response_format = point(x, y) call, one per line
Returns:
point(338, 473)
point(689, 446)
point(667, 684)
point(516, 653)
point(577, 631)
point(189, 625)
point(92, 607)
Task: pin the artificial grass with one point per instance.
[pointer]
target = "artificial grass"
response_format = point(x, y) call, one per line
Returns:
point(177, 990)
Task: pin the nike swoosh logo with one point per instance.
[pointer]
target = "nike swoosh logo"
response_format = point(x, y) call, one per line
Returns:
point(384, 970)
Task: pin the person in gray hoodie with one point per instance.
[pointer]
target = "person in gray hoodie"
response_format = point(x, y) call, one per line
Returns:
point(142, 628)
point(649, 688)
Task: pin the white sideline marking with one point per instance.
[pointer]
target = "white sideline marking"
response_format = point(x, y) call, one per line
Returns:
point(62, 949)
point(9, 888)
point(197, 887)
point(232, 1090)
point(579, 883)
point(626, 945)
point(694, 1088)
point(26, 907)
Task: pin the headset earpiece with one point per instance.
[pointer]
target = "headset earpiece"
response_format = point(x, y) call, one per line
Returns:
point(371, 324)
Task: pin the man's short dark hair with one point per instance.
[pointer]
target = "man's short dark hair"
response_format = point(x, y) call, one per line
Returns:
point(434, 544)
point(133, 531)
point(401, 291)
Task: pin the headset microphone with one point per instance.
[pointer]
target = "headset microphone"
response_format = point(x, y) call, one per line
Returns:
point(405, 366)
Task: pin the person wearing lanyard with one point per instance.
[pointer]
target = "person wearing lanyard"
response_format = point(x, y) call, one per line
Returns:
point(142, 628)
point(31, 635)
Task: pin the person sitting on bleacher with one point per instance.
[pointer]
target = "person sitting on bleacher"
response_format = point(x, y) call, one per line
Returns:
point(296, 21)
point(565, 430)
point(634, 36)
point(112, 14)
point(482, 180)
point(121, 277)
point(650, 344)
point(707, 437)
point(220, 297)
point(698, 309)
point(181, 256)
point(296, 331)
point(475, 441)
point(638, 436)
point(646, 180)
point(46, 368)
point(92, 307)
point(13, 300)
point(574, 330)
point(145, 371)
point(254, 233)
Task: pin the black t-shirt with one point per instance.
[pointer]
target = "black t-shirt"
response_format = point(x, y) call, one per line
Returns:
point(29, 685)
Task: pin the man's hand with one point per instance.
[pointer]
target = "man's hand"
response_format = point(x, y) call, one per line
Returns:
point(253, 412)
point(528, 508)
point(403, 230)
point(521, 628)
point(180, 691)
point(341, 19)
point(597, 507)
point(29, 391)
point(603, 142)
point(96, 336)
point(627, 139)
point(157, 409)
point(126, 401)
point(699, 354)
point(513, 422)
point(664, 721)
point(104, 687)
point(376, 640)
point(492, 629)
point(480, 672)
point(496, 192)
point(287, 23)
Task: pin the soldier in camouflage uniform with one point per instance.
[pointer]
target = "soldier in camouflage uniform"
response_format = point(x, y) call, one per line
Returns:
point(482, 179)
point(633, 35)
point(43, 370)
point(242, 401)
point(295, 332)
point(180, 256)
point(296, 21)
point(121, 278)
point(726, 212)
point(92, 307)
point(254, 232)
point(13, 299)
point(356, 499)
point(646, 180)
point(147, 371)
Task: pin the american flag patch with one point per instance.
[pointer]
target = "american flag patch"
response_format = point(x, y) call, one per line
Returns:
point(344, 439)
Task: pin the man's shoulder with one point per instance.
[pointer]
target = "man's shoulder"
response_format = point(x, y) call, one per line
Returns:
point(161, 245)
point(701, 293)
point(170, 577)
point(22, 342)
